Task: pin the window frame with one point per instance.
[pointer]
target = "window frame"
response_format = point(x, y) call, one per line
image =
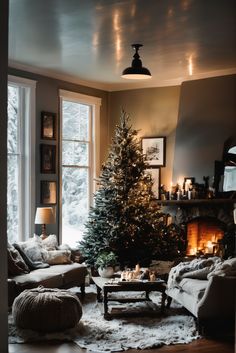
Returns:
point(94, 140)
point(27, 119)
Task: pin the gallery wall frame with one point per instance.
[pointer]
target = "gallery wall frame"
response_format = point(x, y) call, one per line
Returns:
point(48, 192)
point(48, 126)
point(156, 178)
point(47, 159)
point(155, 150)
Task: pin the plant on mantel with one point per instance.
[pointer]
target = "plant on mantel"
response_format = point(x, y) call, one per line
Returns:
point(123, 219)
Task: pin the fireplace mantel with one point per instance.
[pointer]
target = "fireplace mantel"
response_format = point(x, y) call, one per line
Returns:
point(195, 202)
point(183, 211)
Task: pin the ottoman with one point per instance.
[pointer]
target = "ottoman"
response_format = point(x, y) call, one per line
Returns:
point(46, 309)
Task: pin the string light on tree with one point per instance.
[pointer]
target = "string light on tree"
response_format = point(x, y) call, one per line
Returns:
point(123, 219)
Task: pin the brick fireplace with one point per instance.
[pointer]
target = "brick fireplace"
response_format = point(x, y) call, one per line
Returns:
point(204, 236)
point(205, 222)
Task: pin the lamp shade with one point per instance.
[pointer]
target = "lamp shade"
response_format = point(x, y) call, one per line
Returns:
point(136, 71)
point(44, 215)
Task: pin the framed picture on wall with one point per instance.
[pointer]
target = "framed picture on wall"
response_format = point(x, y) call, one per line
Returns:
point(48, 126)
point(155, 150)
point(48, 192)
point(47, 159)
point(156, 178)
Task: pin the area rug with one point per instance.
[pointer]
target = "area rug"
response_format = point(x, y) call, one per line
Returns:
point(137, 331)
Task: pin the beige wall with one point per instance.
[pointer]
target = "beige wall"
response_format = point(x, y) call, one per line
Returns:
point(153, 111)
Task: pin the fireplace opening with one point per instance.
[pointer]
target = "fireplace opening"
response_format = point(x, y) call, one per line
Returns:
point(204, 236)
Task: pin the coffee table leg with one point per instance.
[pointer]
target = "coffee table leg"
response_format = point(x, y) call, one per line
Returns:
point(163, 300)
point(99, 299)
point(169, 299)
point(105, 303)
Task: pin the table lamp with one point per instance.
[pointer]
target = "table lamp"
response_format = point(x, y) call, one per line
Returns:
point(44, 215)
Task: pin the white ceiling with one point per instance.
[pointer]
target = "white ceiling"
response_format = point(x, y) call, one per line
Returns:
point(89, 41)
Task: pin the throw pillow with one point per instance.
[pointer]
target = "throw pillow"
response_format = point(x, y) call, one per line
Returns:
point(50, 242)
point(76, 255)
point(57, 257)
point(33, 249)
point(16, 264)
point(33, 265)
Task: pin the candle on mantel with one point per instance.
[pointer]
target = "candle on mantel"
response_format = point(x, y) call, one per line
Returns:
point(181, 185)
point(178, 194)
point(187, 185)
point(137, 268)
point(171, 184)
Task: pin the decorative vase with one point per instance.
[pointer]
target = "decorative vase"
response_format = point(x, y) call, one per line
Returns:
point(106, 272)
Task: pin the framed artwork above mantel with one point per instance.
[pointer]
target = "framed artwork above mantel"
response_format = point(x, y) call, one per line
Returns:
point(155, 150)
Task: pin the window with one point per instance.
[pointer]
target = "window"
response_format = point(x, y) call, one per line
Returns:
point(79, 161)
point(20, 162)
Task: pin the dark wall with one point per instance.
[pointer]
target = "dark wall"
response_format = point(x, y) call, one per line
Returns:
point(47, 99)
point(207, 117)
point(3, 175)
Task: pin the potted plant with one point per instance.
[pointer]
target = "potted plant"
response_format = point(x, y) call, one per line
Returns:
point(105, 263)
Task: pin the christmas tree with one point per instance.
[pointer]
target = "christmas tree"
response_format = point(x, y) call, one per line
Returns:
point(124, 219)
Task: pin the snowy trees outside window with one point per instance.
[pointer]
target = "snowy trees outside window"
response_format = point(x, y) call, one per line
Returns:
point(20, 158)
point(75, 169)
point(13, 160)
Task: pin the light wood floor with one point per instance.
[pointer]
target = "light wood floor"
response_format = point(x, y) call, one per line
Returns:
point(199, 346)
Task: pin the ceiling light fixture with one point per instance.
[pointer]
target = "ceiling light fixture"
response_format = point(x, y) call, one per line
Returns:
point(136, 71)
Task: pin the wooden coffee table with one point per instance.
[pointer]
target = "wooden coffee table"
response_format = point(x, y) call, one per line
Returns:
point(104, 287)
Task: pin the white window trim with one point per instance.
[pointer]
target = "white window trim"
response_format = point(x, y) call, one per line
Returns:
point(29, 173)
point(95, 102)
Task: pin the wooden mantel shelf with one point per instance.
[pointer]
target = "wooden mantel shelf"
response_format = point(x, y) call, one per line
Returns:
point(195, 202)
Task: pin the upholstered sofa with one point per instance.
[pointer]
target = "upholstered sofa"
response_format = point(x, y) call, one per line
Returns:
point(37, 262)
point(205, 287)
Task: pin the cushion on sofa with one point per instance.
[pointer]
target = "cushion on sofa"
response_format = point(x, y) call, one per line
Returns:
point(194, 287)
point(50, 242)
point(55, 257)
point(16, 264)
point(39, 277)
point(33, 265)
point(33, 249)
point(70, 273)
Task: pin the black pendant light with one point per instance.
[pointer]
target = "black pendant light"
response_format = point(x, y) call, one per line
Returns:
point(136, 71)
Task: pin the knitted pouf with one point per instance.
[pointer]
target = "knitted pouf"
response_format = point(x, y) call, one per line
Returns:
point(47, 310)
